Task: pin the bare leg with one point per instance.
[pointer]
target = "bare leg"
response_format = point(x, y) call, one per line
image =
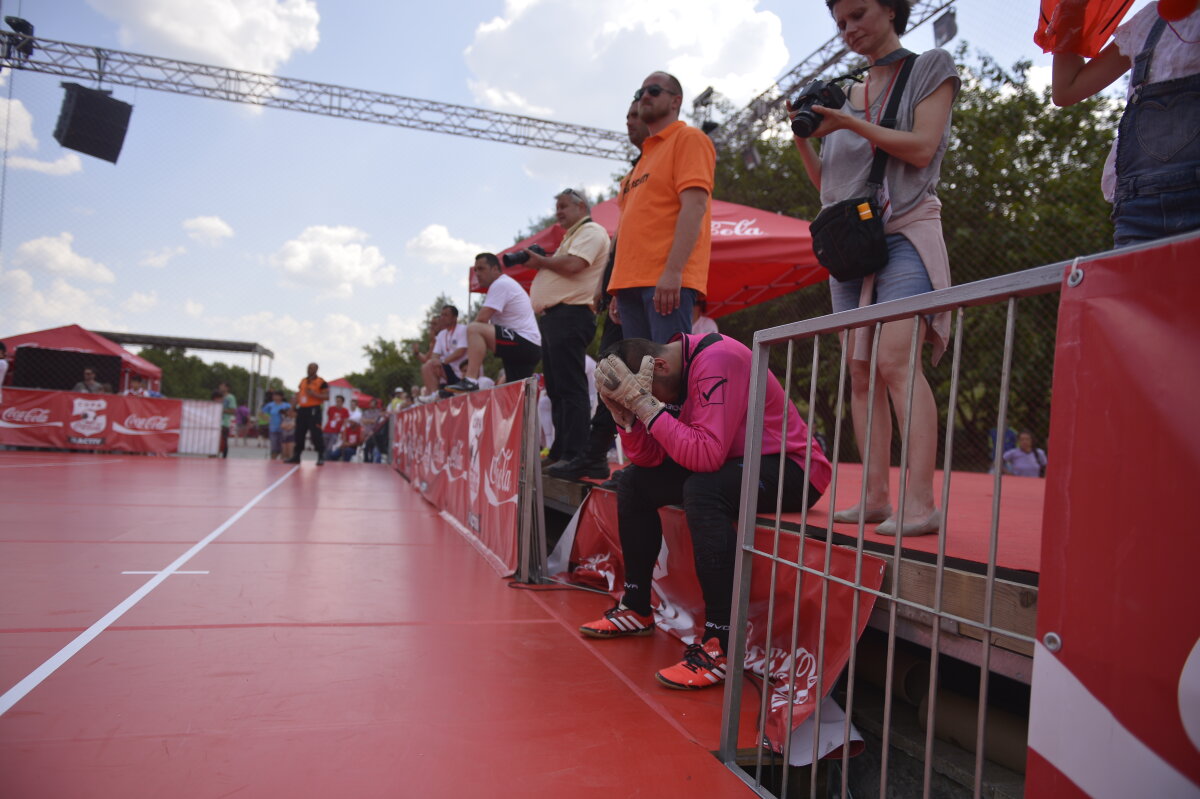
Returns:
point(877, 470)
point(481, 339)
point(895, 343)
point(430, 371)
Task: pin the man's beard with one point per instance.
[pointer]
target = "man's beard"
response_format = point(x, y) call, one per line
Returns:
point(649, 114)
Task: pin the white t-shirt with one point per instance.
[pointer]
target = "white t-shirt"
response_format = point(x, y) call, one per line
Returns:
point(704, 325)
point(448, 341)
point(1175, 56)
point(513, 309)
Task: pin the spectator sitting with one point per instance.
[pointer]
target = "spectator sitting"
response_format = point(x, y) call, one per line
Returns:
point(137, 387)
point(1023, 460)
point(348, 442)
point(89, 384)
point(374, 423)
point(399, 401)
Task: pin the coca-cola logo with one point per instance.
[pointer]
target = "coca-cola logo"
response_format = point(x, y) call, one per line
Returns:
point(26, 415)
point(742, 227)
point(135, 422)
point(500, 474)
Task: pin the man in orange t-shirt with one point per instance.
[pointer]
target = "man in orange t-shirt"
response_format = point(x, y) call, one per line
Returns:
point(309, 399)
point(665, 234)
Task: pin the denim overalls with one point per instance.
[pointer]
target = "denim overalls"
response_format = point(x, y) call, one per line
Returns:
point(1158, 154)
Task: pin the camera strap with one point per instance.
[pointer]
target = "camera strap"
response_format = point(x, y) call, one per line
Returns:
point(889, 119)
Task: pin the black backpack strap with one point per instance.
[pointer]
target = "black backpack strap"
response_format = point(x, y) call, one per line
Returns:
point(701, 346)
point(889, 120)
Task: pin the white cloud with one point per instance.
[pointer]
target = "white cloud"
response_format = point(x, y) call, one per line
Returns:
point(333, 258)
point(435, 245)
point(140, 302)
point(334, 341)
point(253, 35)
point(522, 60)
point(23, 307)
point(19, 122)
point(193, 309)
point(160, 258)
point(207, 229)
point(56, 254)
point(67, 164)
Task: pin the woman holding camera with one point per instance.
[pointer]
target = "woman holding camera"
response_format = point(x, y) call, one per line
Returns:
point(917, 260)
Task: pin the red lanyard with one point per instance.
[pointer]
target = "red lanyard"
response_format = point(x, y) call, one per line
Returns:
point(883, 101)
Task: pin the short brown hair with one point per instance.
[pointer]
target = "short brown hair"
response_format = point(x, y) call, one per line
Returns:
point(901, 7)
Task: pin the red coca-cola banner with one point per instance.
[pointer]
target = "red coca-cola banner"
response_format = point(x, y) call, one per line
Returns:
point(464, 455)
point(679, 606)
point(108, 422)
point(1115, 710)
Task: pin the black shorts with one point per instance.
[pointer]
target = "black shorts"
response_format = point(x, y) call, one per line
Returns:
point(519, 355)
point(450, 375)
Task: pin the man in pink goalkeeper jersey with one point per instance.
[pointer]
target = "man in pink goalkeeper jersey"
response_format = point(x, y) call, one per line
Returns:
point(682, 407)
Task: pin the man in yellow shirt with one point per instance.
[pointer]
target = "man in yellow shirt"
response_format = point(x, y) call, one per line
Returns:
point(313, 393)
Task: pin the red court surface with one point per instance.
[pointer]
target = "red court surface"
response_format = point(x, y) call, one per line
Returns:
point(315, 633)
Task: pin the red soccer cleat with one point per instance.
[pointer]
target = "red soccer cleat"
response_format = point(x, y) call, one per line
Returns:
point(619, 621)
point(701, 667)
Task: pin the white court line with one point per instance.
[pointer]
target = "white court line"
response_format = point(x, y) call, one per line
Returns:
point(53, 465)
point(155, 572)
point(35, 678)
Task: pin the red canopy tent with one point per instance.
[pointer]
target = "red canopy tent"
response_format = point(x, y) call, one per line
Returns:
point(756, 255)
point(74, 338)
point(362, 399)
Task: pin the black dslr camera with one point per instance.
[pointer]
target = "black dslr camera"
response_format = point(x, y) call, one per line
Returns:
point(829, 95)
point(519, 257)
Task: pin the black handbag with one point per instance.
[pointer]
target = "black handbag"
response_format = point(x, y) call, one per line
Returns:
point(848, 236)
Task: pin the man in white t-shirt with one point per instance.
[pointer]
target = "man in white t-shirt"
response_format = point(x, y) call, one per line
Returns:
point(448, 357)
point(504, 325)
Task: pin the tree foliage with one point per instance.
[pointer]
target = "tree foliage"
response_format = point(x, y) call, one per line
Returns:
point(187, 377)
point(1020, 187)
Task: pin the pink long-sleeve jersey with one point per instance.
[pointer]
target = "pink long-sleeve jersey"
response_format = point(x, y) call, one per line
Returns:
point(711, 427)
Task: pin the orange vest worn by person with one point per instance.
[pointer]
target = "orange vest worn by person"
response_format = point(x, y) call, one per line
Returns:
point(679, 157)
point(304, 399)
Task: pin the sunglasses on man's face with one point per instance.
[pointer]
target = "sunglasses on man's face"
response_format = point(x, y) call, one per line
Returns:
point(654, 90)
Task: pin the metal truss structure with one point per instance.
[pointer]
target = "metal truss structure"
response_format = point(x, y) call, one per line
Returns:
point(99, 65)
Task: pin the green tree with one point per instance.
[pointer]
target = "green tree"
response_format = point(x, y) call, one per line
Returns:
point(187, 377)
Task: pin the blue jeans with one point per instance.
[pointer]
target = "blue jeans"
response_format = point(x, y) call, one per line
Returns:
point(640, 320)
point(904, 276)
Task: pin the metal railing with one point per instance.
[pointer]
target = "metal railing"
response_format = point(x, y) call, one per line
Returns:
point(892, 601)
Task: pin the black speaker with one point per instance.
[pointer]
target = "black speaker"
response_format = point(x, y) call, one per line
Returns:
point(92, 122)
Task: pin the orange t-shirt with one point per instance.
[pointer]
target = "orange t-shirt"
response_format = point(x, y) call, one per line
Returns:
point(678, 158)
point(303, 400)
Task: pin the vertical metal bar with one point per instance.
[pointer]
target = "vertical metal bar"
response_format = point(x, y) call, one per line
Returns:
point(787, 735)
point(940, 568)
point(805, 497)
point(914, 350)
point(731, 703)
point(990, 584)
point(530, 431)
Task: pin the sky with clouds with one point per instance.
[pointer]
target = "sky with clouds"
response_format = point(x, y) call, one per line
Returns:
point(314, 235)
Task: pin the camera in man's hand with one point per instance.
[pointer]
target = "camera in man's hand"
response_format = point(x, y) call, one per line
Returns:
point(806, 121)
point(520, 256)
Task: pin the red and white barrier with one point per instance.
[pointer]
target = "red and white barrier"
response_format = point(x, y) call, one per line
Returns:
point(465, 455)
point(108, 422)
point(1115, 710)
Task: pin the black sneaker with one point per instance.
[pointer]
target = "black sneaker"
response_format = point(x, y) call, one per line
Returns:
point(578, 468)
point(463, 386)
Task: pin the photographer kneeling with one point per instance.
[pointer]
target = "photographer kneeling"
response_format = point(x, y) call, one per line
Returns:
point(910, 150)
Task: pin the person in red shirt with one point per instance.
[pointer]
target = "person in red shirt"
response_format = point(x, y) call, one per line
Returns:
point(349, 441)
point(336, 417)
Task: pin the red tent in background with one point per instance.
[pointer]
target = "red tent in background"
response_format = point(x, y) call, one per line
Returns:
point(756, 255)
point(75, 339)
point(362, 399)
